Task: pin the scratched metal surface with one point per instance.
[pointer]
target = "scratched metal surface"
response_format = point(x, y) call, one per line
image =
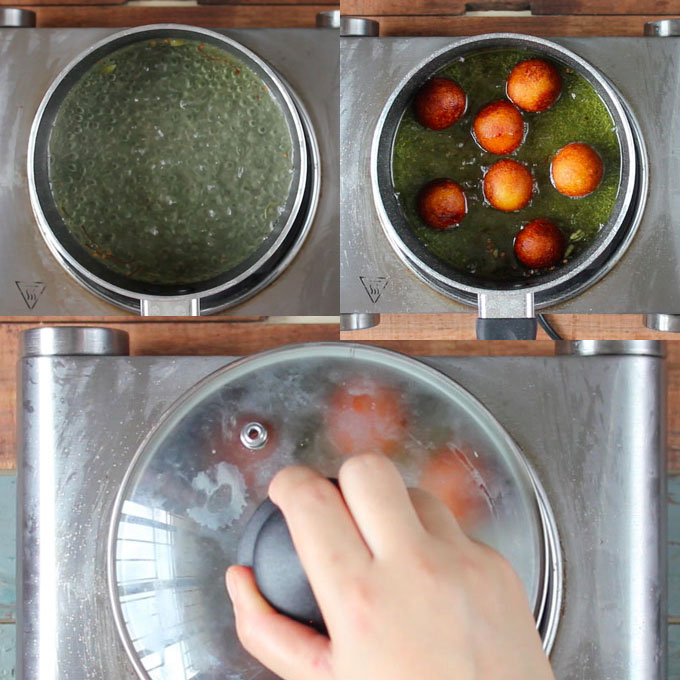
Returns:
point(605, 485)
point(32, 282)
point(647, 279)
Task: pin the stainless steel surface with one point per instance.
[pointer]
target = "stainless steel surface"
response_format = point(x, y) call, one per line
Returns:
point(558, 285)
point(592, 428)
point(357, 322)
point(358, 27)
point(329, 19)
point(16, 18)
point(74, 341)
point(663, 322)
point(647, 277)
point(664, 28)
point(157, 307)
point(35, 282)
point(648, 348)
point(512, 304)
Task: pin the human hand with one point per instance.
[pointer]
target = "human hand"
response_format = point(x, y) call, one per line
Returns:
point(403, 592)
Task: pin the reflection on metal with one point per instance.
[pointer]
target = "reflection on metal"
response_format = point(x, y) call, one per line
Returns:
point(254, 436)
point(73, 341)
point(358, 322)
point(589, 348)
point(182, 307)
point(329, 19)
point(663, 322)
point(16, 18)
point(356, 27)
point(663, 28)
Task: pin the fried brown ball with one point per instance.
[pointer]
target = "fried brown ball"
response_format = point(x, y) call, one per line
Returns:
point(442, 203)
point(534, 85)
point(499, 127)
point(576, 170)
point(540, 244)
point(439, 103)
point(508, 185)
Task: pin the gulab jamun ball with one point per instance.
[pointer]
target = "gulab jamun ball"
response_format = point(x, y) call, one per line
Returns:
point(442, 203)
point(439, 103)
point(576, 170)
point(365, 415)
point(540, 244)
point(508, 185)
point(499, 128)
point(534, 85)
point(448, 476)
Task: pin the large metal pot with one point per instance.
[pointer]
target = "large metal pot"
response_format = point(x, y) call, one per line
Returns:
point(219, 292)
point(507, 310)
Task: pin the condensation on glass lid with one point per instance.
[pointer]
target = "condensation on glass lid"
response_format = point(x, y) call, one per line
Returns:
point(196, 483)
point(171, 161)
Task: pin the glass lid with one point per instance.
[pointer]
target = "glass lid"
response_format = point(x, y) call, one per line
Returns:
point(205, 468)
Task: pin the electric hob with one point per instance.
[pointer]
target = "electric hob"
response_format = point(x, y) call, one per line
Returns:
point(37, 282)
point(376, 279)
point(124, 536)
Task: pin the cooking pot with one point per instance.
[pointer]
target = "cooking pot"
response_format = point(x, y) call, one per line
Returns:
point(215, 292)
point(506, 310)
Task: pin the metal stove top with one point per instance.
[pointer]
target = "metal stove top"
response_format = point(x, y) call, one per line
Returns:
point(592, 427)
point(647, 278)
point(32, 282)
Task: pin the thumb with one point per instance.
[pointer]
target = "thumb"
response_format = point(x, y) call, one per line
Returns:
point(289, 649)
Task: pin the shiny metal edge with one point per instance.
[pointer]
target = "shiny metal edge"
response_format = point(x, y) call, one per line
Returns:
point(328, 19)
point(358, 27)
point(358, 321)
point(98, 285)
point(49, 341)
point(662, 28)
point(16, 18)
point(591, 348)
point(669, 323)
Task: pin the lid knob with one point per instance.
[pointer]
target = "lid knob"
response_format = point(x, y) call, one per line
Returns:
point(266, 546)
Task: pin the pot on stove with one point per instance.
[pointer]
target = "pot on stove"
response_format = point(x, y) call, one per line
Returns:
point(181, 252)
point(506, 308)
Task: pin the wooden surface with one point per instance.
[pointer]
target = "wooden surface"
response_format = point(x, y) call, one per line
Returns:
point(541, 7)
point(224, 16)
point(462, 327)
point(578, 25)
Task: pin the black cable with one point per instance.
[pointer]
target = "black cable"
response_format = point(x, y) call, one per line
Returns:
point(545, 325)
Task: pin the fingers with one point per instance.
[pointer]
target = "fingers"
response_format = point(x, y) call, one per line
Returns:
point(288, 648)
point(325, 536)
point(435, 517)
point(378, 499)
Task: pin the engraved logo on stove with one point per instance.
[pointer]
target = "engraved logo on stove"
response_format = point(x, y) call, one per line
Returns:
point(374, 286)
point(30, 291)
